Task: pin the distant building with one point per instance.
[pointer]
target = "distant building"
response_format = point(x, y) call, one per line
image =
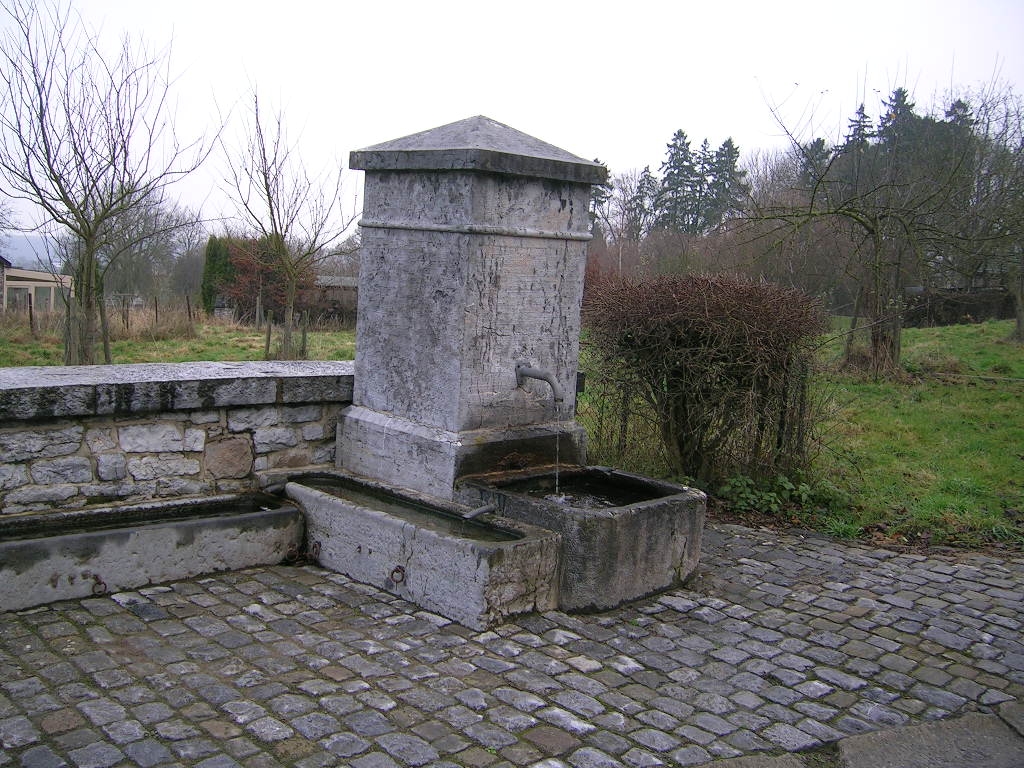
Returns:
point(336, 296)
point(16, 285)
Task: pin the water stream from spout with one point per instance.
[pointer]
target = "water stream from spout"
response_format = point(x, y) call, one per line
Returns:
point(558, 443)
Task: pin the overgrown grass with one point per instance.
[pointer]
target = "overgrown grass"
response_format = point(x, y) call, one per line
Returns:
point(937, 456)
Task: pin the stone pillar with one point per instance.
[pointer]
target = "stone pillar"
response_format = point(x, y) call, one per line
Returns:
point(473, 252)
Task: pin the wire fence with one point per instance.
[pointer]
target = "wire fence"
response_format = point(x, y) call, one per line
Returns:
point(622, 430)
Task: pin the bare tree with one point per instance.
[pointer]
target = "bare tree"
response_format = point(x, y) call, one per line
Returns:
point(994, 220)
point(85, 135)
point(626, 215)
point(910, 198)
point(295, 216)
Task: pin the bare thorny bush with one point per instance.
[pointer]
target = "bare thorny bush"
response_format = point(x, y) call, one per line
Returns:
point(721, 363)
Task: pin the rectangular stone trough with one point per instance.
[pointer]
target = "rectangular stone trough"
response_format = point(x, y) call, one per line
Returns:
point(65, 555)
point(424, 550)
point(623, 536)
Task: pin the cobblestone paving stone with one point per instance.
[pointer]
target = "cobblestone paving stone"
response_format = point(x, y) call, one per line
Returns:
point(781, 644)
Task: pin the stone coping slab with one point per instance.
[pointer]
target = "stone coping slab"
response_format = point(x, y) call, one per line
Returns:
point(44, 392)
point(479, 144)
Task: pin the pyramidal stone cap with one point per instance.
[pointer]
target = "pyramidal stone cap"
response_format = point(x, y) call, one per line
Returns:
point(478, 144)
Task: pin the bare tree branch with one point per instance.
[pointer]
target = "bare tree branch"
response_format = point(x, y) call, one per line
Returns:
point(296, 216)
point(86, 136)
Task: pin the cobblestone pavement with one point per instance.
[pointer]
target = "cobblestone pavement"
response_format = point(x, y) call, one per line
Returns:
point(782, 644)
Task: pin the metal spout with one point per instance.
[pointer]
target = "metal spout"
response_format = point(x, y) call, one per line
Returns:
point(524, 371)
point(480, 511)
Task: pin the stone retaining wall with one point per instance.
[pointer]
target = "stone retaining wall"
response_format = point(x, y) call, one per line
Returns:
point(80, 435)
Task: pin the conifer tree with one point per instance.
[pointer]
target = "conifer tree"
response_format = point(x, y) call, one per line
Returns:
point(728, 184)
point(678, 170)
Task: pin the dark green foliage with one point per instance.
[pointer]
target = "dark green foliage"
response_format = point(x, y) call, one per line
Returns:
point(674, 204)
point(698, 190)
point(217, 271)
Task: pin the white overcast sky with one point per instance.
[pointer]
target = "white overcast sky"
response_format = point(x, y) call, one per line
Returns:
point(607, 80)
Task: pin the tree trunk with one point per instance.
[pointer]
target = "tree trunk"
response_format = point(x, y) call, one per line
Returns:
point(287, 350)
point(303, 346)
point(82, 333)
point(270, 327)
point(104, 330)
point(287, 345)
point(80, 342)
point(849, 346)
point(1018, 297)
point(883, 310)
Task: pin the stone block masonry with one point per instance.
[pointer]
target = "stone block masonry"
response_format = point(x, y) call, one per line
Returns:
point(76, 436)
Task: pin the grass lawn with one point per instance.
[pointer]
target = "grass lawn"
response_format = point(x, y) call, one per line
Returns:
point(937, 455)
point(209, 341)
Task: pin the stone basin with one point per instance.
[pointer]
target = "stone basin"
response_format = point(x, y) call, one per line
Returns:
point(624, 536)
point(473, 571)
point(63, 555)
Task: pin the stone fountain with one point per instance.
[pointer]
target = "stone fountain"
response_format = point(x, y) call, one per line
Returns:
point(471, 279)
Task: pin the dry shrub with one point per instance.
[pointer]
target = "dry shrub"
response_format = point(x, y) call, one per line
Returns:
point(149, 324)
point(15, 325)
point(723, 362)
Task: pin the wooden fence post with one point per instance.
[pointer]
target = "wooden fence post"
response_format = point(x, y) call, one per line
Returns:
point(270, 324)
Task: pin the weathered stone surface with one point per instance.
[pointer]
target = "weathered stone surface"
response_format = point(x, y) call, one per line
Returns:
point(472, 260)
point(151, 438)
point(30, 494)
point(320, 388)
point(291, 457)
point(111, 466)
point(312, 432)
point(181, 486)
point(45, 393)
point(426, 459)
point(230, 457)
point(165, 465)
point(25, 444)
point(478, 143)
point(454, 570)
point(974, 739)
point(267, 439)
point(12, 475)
point(194, 440)
point(243, 419)
point(610, 554)
point(40, 570)
point(301, 414)
point(99, 440)
point(72, 469)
